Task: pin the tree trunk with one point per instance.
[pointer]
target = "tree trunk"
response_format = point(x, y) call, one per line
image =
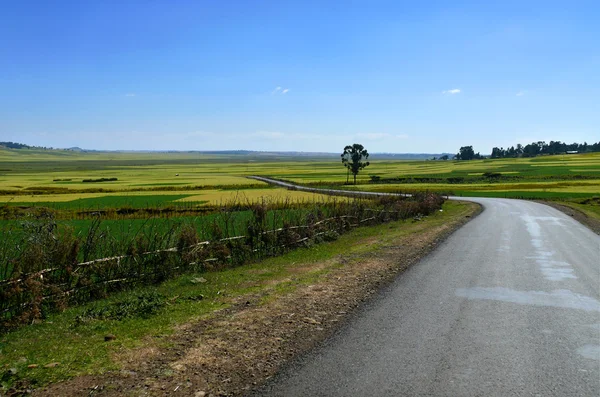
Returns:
point(347, 175)
point(355, 179)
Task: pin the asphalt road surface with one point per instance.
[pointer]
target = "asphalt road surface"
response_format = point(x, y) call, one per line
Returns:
point(509, 305)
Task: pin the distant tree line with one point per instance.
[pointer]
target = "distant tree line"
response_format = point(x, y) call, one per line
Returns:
point(531, 150)
point(541, 147)
point(14, 145)
point(467, 153)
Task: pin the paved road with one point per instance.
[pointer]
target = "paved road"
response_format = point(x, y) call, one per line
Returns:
point(509, 305)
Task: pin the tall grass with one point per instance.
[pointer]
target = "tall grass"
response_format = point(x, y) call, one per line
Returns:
point(45, 267)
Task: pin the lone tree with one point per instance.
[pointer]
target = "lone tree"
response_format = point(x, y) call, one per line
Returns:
point(353, 157)
point(465, 153)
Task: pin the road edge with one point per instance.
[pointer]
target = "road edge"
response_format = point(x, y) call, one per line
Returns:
point(575, 213)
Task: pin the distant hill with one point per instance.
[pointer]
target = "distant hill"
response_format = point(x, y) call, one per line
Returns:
point(409, 156)
point(252, 153)
point(256, 153)
point(244, 153)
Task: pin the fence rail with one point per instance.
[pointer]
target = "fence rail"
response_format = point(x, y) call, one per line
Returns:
point(32, 294)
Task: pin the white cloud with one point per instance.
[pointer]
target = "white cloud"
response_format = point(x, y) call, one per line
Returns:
point(402, 136)
point(521, 93)
point(280, 91)
point(452, 91)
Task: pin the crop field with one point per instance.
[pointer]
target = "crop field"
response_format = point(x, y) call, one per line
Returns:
point(78, 227)
point(563, 166)
point(127, 230)
point(55, 179)
point(562, 189)
point(129, 187)
point(61, 172)
point(144, 199)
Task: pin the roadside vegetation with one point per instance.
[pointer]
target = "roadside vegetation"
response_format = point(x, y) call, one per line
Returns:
point(191, 181)
point(99, 336)
point(46, 266)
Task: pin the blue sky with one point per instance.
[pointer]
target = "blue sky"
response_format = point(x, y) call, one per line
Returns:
point(309, 75)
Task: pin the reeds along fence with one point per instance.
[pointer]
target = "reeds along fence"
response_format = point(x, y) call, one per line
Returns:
point(48, 273)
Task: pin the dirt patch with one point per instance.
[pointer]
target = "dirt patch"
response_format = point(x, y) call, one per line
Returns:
point(578, 215)
point(241, 347)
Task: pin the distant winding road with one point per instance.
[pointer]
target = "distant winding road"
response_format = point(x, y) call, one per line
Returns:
point(509, 305)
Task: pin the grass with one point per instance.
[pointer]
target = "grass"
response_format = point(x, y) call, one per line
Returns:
point(78, 202)
point(542, 190)
point(76, 341)
point(21, 169)
point(591, 211)
point(129, 228)
point(590, 207)
point(91, 201)
point(525, 194)
point(56, 176)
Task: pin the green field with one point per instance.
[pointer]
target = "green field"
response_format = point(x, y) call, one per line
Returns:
point(150, 179)
point(145, 193)
point(189, 181)
point(144, 199)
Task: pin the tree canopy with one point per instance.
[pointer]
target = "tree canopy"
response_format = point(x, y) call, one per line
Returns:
point(541, 147)
point(467, 153)
point(354, 158)
point(531, 150)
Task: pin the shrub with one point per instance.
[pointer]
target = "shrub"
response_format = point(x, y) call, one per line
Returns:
point(143, 305)
point(100, 180)
point(41, 271)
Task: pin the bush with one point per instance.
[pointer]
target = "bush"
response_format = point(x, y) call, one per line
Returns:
point(143, 305)
point(100, 180)
point(43, 269)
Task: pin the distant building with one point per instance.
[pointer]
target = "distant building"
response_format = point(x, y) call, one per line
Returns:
point(572, 151)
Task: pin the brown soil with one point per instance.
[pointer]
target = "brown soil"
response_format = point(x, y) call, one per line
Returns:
point(578, 215)
point(241, 347)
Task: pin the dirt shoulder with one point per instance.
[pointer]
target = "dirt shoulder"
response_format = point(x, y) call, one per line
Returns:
point(578, 215)
point(241, 347)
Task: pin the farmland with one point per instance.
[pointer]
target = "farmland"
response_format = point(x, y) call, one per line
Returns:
point(174, 185)
point(59, 175)
point(135, 192)
point(191, 184)
point(98, 225)
point(77, 227)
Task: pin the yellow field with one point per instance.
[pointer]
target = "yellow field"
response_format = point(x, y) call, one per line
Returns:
point(127, 179)
point(255, 195)
point(209, 195)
